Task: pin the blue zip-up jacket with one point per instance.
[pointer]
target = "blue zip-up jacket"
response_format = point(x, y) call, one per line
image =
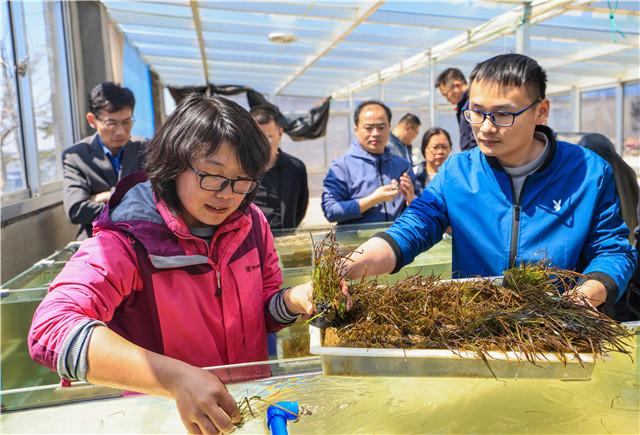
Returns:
point(568, 214)
point(356, 175)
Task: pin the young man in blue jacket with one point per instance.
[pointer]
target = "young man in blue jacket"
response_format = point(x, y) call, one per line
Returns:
point(369, 183)
point(519, 197)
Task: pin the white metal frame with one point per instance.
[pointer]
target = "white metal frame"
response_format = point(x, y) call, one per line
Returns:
point(506, 23)
point(37, 195)
point(361, 16)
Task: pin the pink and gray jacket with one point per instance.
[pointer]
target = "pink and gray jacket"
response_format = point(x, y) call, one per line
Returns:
point(146, 277)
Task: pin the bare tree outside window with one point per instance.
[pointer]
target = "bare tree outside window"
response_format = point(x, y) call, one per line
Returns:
point(12, 176)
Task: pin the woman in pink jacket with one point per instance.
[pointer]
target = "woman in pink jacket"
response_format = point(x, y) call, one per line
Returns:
point(181, 272)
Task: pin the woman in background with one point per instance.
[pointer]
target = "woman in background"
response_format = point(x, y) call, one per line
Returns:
point(436, 147)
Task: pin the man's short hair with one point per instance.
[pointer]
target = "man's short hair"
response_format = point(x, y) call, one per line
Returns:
point(356, 114)
point(449, 75)
point(110, 97)
point(264, 114)
point(410, 119)
point(512, 70)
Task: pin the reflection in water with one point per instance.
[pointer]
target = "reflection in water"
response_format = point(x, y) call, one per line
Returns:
point(608, 403)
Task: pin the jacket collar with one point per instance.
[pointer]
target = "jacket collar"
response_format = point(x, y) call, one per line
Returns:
point(357, 151)
point(551, 138)
point(396, 140)
point(177, 225)
point(463, 102)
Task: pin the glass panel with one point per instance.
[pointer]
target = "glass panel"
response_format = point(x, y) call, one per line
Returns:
point(65, 253)
point(598, 112)
point(45, 63)
point(18, 369)
point(13, 177)
point(447, 119)
point(137, 77)
point(39, 275)
point(631, 126)
point(337, 138)
point(561, 113)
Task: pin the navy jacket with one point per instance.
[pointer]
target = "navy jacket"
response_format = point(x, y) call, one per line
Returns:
point(467, 141)
point(399, 149)
point(356, 175)
point(568, 215)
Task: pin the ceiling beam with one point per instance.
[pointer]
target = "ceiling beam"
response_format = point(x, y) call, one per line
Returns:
point(582, 55)
point(361, 16)
point(203, 49)
point(606, 11)
point(495, 28)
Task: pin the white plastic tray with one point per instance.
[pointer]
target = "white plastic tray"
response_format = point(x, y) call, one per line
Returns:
point(348, 361)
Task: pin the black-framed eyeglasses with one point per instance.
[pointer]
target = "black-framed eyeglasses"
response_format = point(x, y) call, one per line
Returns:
point(216, 183)
point(113, 123)
point(500, 118)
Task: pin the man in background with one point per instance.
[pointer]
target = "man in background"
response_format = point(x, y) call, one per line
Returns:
point(93, 166)
point(283, 193)
point(403, 136)
point(453, 86)
point(368, 183)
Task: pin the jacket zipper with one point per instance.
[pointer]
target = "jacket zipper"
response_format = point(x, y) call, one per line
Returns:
point(218, 280)
point(216, 267)
point(515, 223)
point(379, 168)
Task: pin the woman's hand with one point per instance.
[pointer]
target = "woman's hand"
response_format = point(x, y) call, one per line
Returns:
point(204, 404)
point(299, 299)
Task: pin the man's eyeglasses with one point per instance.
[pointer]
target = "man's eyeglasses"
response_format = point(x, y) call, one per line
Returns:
point(501, 119)
point(112, 123)
point(216, 183)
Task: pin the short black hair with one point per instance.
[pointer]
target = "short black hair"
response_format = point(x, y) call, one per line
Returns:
point(110, 97)
point(197, 127)
point(264, 114)
point(356, 114)
point(512, 69)
point(410, 119)
point(449, 75)
point(432, 132)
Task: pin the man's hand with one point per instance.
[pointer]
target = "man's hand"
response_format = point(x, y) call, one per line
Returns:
point(407, 189)
point(381, 194)
point(102, 197)
point(387, 192)
point(591, 292)
point(204, 404)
